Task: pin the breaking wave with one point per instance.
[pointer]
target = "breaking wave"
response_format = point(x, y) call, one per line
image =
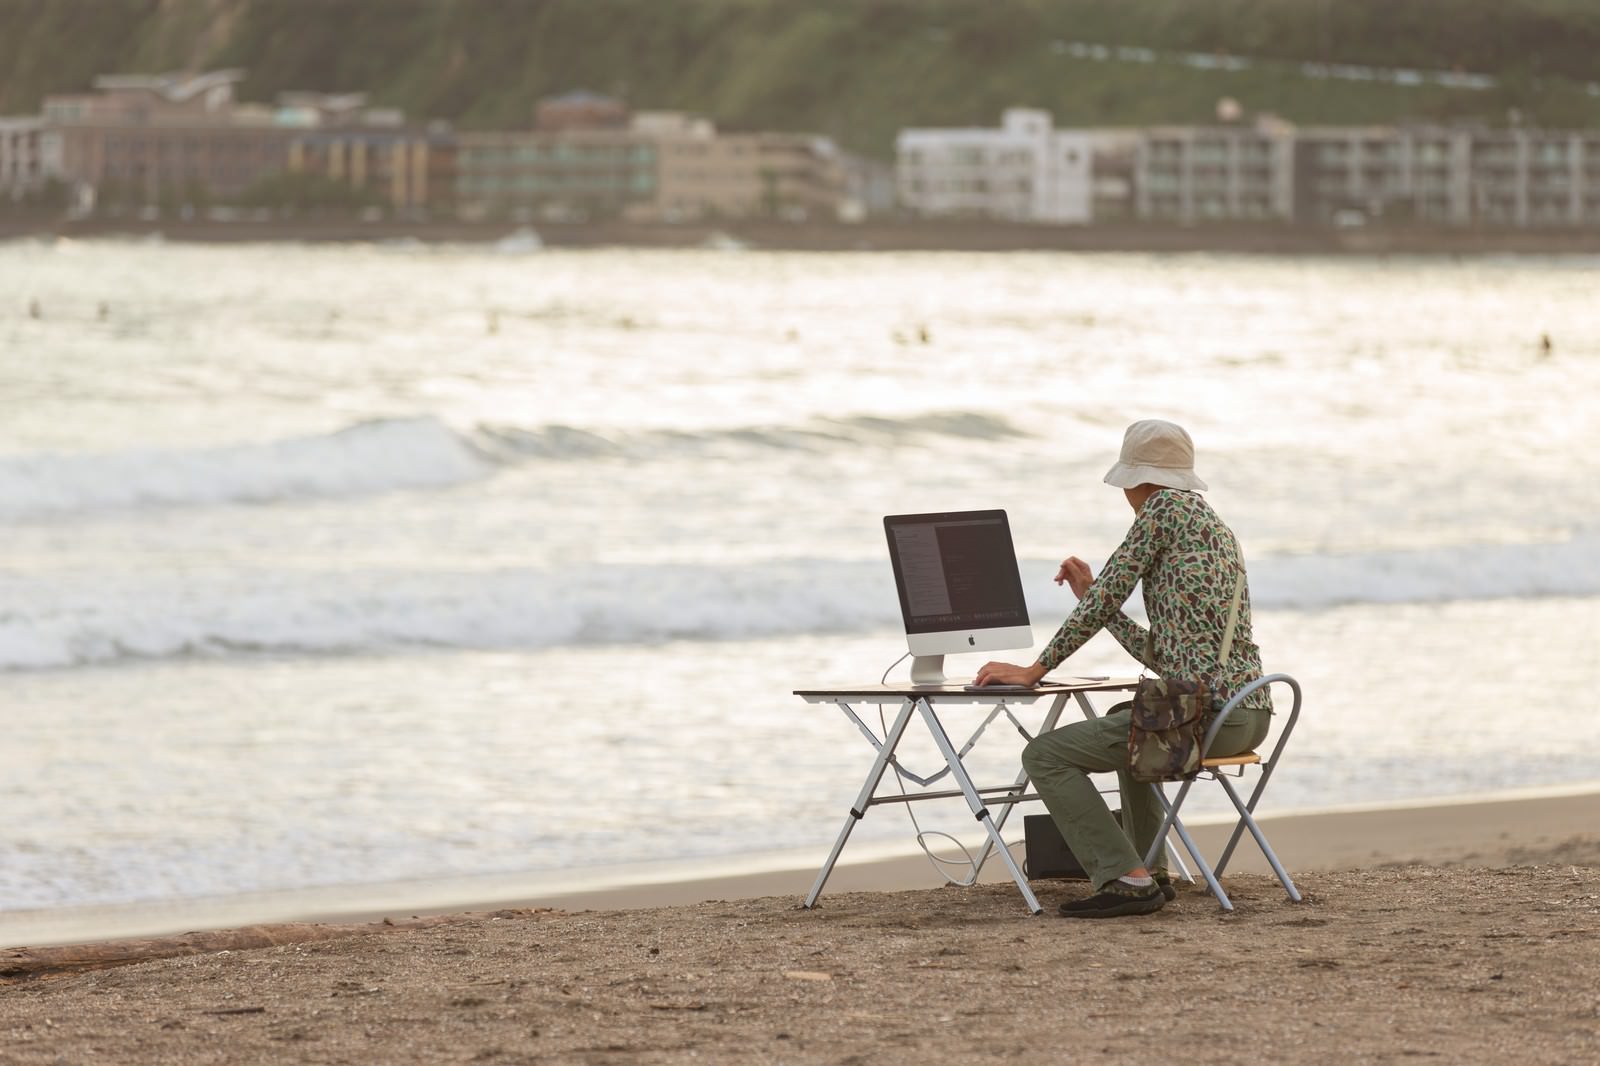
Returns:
point(51, 624)
point(366, 458)
point(397, 454)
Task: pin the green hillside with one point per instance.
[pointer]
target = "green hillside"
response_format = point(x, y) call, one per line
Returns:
point(854, 69)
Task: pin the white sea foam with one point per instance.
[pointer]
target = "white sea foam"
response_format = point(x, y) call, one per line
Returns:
point(54, 625)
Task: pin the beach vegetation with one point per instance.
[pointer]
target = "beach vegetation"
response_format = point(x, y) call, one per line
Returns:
point(856, 70)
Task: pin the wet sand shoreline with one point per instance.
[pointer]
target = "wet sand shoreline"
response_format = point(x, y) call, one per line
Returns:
point(1489, 831)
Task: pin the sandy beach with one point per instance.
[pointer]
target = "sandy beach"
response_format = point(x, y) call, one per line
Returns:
point(1463, 932)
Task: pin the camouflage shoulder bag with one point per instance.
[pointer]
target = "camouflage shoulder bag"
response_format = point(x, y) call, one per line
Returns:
point(1168, 720)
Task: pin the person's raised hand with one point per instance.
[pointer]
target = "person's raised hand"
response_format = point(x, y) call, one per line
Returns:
point(1076, 573)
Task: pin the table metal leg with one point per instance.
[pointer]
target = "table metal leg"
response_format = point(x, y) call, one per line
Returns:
point(1020, 786)
point(857, 812)
point(975, 802)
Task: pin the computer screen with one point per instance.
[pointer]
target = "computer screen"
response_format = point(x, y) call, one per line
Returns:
point(960, 589)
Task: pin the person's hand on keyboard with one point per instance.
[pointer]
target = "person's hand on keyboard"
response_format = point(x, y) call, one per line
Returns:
point(1009, 674)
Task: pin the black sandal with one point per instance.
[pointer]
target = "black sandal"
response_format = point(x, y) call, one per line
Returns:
point(1117, 900)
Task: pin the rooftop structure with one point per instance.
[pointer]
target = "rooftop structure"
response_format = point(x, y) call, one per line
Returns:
point(581, 110)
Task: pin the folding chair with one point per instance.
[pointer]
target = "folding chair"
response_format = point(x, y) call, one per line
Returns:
point(1214, 769)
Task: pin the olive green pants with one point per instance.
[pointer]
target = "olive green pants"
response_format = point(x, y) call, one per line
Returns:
point(1059, 763)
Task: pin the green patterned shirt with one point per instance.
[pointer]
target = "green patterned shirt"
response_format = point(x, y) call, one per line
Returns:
point(1188, 560)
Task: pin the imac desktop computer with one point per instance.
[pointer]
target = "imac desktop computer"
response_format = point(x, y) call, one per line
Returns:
point(960, 590)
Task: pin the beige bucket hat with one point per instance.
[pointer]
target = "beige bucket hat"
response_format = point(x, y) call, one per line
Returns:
point(1155, 453)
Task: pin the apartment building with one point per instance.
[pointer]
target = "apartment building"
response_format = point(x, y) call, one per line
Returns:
point(149, 138)
point(1264, 172)
point(1191, 174)
point(30, 156)
point(1490, 177)
point(570, 175)
point(184, 139)
point(704, 174)
point(1536, 178)
point(1022, 171)
point(1371, 173)
point(660, 167)
point(1322, 175)
point(407, 170)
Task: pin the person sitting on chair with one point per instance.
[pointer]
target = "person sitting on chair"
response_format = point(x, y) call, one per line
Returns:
point(1190, 564)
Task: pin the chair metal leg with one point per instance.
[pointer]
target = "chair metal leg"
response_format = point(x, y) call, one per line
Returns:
point(1172, 822)
point(1171, 809)
point(1247, 821)
point(1173, 854)
point(1238, 830)
point(1267, 765)
point(1183, 867)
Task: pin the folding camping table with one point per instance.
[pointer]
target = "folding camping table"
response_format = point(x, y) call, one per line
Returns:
point(922, 701)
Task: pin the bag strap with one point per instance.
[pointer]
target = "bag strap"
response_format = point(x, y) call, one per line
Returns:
point(1233, 620)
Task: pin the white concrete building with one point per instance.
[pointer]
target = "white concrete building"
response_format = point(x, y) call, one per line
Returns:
point(1024, 171)
point(30, 155)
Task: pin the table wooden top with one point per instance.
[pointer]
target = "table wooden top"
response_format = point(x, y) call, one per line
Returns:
point(956, 691)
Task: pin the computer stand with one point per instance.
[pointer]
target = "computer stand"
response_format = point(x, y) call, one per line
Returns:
point(927, 670)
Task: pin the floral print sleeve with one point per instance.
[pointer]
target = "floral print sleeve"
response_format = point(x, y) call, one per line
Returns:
point(1188, 562)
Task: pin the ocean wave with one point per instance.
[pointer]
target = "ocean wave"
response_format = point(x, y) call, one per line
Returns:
point(394, 454)
point(561, 442)
point(56, 624)
point(1542, 570)
point(343, 613)
point(365, 458)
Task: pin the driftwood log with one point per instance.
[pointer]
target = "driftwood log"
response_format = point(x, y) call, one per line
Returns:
point(21, 964)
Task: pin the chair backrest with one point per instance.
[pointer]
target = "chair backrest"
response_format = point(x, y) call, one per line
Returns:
point(1238, 698)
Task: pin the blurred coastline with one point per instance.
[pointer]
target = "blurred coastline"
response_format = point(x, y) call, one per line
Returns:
point(872, 236)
